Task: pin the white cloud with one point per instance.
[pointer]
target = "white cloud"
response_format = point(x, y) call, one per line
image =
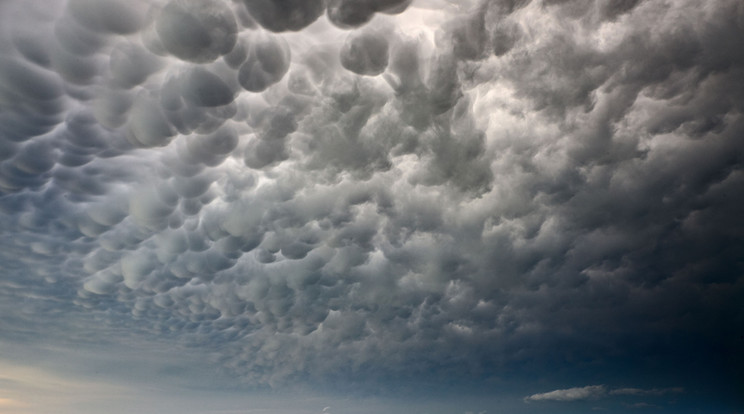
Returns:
point(598, 391)
point(570, 394)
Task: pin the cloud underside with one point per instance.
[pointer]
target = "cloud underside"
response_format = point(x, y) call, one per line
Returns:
point(347, 188)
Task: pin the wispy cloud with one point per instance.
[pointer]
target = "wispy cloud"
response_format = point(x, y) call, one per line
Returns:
point(570, 394)
point(598, 391)
point(645, 392)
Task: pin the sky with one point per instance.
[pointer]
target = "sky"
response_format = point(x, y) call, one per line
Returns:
point(371, 206)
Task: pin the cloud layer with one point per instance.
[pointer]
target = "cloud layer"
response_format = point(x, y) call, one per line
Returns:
point(348, 189)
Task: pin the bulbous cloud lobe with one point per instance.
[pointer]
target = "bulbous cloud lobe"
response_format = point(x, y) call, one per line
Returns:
point(266, 62)
point(365, 54)
point(355, 13)
point(283, 15)
point(197, 31)
point(112, 16)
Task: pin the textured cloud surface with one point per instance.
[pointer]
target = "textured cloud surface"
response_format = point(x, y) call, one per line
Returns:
point(353, 191)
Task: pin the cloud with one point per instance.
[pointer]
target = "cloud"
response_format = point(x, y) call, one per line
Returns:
point(365, 54)
point(600, 391)
point(197, 31)
point(645, 392)
point(352, 13)
point(266, 62)
point(109, 16)
point(279, 16)
point(358, 190)
point(570, 394)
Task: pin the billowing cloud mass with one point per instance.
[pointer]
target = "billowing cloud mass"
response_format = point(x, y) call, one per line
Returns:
point(353, 191)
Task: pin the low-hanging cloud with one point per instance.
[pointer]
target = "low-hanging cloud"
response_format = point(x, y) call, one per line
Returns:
point(346, 189)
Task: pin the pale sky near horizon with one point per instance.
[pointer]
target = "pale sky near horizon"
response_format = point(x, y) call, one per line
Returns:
point(371, 206)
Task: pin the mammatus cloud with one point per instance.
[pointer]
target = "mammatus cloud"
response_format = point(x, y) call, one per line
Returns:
point(372, 189)
point(196, 31)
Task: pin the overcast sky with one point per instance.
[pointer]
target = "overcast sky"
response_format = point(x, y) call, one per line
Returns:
point(371, 206)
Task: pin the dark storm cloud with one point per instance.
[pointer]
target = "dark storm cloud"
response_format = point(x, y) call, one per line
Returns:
point(204, 88)
point(111, 16)
point(281, 15)
point(523, 183)
point(365, 54)
point(354, 13)
point(130, 65)
point(266, 62)
point(197, 31)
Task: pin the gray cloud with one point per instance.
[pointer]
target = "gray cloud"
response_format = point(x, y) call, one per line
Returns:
point(197, 31)
point(281, 15)
point(365, 54)
point(108, 16)
point(266, 62)
point(514, 181)
point(354, 13)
